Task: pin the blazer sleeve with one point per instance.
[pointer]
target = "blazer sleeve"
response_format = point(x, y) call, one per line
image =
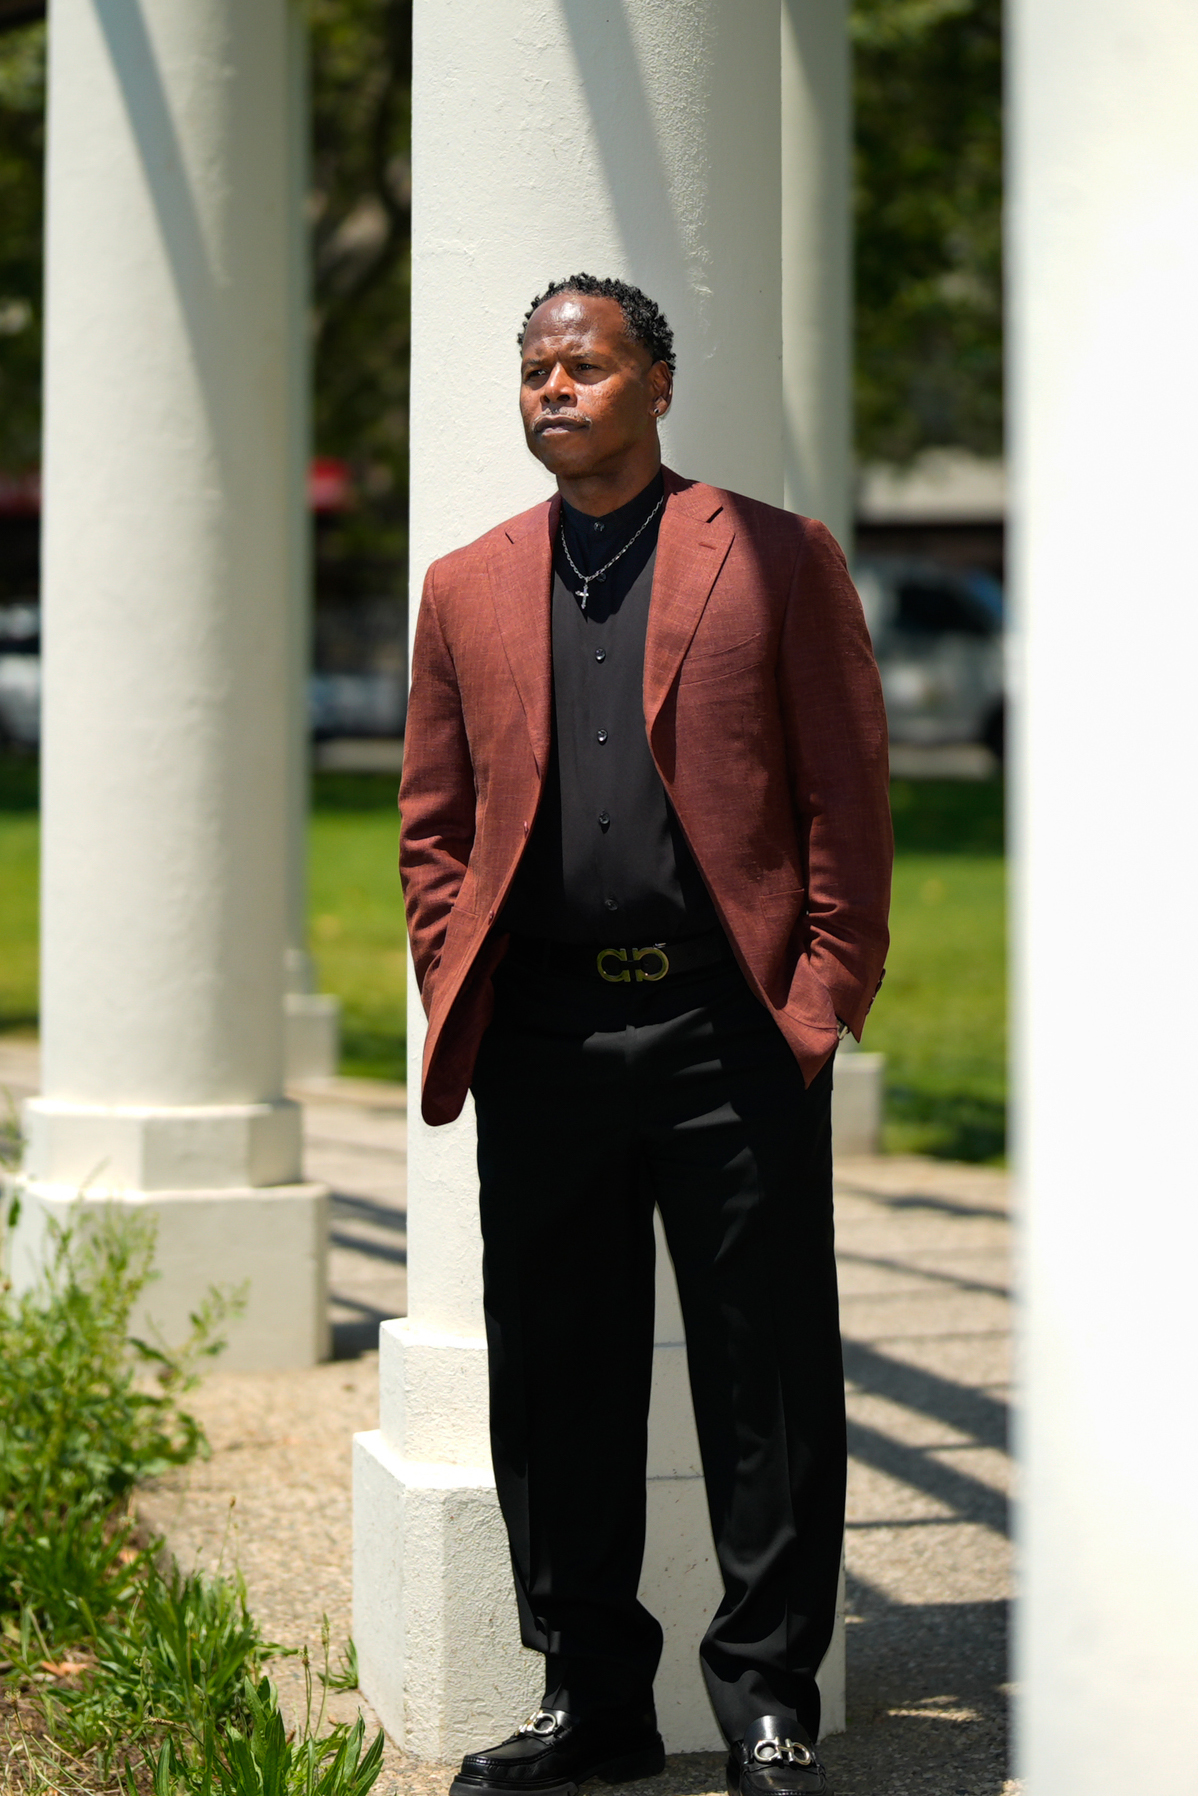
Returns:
point(436, 794)
point(835, 724)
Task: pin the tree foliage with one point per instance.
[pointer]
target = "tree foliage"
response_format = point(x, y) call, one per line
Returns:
point(928, 225)
point(928, 259)
point(22, 139)
point(361, 234)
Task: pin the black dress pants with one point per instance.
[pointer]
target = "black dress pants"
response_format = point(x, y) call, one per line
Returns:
point(596, 1103)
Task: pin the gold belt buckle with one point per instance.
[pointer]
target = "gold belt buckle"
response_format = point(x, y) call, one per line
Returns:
point(624, 973)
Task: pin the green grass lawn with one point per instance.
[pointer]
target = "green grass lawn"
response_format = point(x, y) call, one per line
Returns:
point(18, 894)
point(357, 924)
point(940, 1017)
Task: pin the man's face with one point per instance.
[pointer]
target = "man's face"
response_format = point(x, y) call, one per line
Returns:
point(589, 395)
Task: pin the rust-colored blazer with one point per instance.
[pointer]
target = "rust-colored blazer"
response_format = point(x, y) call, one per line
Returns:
point(764, 715)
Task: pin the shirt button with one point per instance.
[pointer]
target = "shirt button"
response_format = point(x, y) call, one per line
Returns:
point(601, 735)
point(601, 654)
point(610, 904)
point(604, 819)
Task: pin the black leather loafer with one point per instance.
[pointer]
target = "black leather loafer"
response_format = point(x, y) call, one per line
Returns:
point(553, 1752)
point(775, 1757)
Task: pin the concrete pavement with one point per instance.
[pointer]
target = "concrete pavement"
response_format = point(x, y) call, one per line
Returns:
point(923, 1250)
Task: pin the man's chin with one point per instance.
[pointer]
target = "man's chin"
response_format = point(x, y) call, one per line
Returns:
point(569, 456)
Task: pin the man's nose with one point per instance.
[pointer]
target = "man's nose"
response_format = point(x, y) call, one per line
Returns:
point(559, 388)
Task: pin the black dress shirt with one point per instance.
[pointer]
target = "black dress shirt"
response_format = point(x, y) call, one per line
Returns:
point(607, 861)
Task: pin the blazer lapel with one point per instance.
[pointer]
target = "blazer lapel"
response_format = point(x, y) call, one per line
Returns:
point(520, 567)
point(692, 546)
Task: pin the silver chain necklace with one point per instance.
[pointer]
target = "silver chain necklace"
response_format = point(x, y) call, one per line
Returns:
point(588, 580)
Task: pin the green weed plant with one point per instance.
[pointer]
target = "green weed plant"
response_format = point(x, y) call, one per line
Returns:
point(119, 1673)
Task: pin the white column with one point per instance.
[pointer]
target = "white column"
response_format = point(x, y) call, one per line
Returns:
point(1104, 394)
point(817, 262)
point(817, 434)
point(312, 1029)
point(552, 137)
point(169, 509)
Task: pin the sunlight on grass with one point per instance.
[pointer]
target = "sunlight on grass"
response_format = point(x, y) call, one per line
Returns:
point(940, 1017)
point(356, 921)
point(18, 921)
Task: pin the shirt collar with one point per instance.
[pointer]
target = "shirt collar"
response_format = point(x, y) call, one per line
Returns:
point(600, 538)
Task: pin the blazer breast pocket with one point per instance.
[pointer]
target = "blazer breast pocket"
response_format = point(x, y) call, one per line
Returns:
point(726, 662)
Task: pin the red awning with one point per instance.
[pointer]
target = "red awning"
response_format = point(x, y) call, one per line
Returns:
point(330, 489)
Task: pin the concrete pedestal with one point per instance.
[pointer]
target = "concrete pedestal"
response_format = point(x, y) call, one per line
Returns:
point(434, 1612)
point(273, 1240)
point(858, 1091)
point(311, 1019)
point(313, 1035)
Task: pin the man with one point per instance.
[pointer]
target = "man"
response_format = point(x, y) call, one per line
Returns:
point(646, 853)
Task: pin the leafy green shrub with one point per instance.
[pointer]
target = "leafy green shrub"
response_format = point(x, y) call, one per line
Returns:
point(130, 1670)
point(82, 1424)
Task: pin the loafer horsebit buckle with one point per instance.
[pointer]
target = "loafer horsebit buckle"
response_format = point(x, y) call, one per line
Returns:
point(772, 1752)
point(625, 973)
point(542, 1723)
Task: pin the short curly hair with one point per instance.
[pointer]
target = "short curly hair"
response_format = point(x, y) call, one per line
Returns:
point(643, 318)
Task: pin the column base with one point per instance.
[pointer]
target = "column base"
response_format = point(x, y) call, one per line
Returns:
point(857, 1092)
point(680, 1581)
point(434, 1611)
point(311, 1035)
point(162, 1147)
point(275, 1237)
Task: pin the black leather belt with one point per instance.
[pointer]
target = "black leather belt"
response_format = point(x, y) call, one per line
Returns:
point(621, 966)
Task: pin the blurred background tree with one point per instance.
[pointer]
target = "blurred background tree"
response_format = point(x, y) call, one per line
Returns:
point(361, 208)
point(928, 226)
point(928, 207)
point(22, 144)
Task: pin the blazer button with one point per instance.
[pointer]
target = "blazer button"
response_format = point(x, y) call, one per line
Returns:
point(490, 916)
point(601, 735)
point(524, 826)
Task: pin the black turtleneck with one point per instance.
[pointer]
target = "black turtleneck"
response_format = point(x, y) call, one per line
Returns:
point(607, 861)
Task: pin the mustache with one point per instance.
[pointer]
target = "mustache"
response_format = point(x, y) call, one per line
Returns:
point(571, 419)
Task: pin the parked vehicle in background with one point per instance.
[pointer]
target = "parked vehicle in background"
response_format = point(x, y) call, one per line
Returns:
point(358, 685)
point(372, 704)
point(20, 674)
point(938, 636)
point(937, 633)
point(357, 704)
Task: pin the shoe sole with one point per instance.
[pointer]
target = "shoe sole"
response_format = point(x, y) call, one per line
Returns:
point(733, 1784)
point(624, 1769)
